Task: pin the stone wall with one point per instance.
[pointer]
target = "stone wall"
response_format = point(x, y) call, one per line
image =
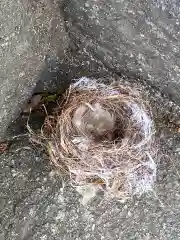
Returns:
point(29, 32)
point(139, 38)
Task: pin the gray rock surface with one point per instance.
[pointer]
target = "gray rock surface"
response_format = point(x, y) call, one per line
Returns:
point(38, 203)
point(29, 30)
point(131, 38)
point(134, 37)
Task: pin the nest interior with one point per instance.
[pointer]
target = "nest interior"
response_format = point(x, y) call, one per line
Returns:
point(104, 135)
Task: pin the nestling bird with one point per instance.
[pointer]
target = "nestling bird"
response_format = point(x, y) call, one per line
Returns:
point(92, 119)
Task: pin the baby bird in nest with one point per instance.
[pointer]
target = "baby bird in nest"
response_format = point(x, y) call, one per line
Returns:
point(94, 121)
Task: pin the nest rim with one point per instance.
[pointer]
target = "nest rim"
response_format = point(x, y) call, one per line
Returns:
point(66, 155)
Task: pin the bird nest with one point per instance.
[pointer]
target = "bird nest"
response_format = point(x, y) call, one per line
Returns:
point(103, 135)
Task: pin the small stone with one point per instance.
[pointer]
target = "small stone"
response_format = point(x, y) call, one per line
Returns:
point(86, 4)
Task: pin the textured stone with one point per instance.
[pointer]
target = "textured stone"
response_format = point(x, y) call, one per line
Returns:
point(29, 31)
point(131, 37)
point(37, 202)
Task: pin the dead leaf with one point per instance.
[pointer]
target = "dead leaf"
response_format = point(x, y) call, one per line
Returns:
point(3, 147)
point(34, 102)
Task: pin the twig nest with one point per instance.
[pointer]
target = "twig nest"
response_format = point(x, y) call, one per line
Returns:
point(104, 135)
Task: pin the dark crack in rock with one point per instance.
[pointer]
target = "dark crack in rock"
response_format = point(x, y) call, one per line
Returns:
point(29, 31)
